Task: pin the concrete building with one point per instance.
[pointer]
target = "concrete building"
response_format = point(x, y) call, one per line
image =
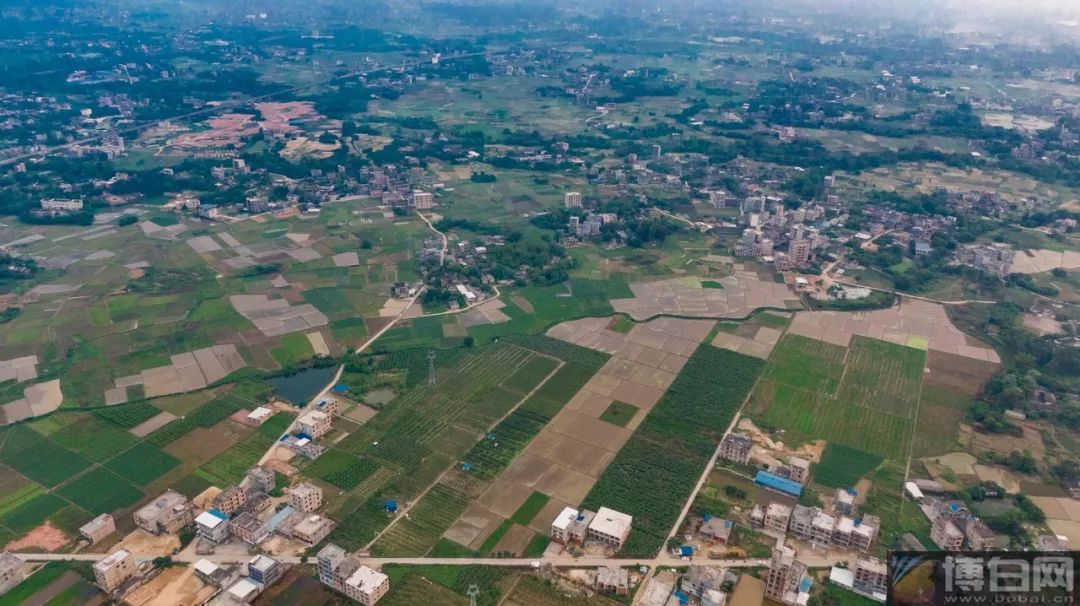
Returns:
point(609, 579)
point(312, 529)
point(1050, 542)
point(213, 526)
point(248, 528)
point(115, 570)
point(572, 199)
point(335, 566)
point(264, 570)
point(230, 500)
point(844, 501)
point(798, 469)
point(979, 536)
point(785, 576)
point(561, 525)
point(610, 527)
point(260, 479)
point(210, 573)
point(98, 528)
point(946, 535)
point(777, 517)
point(243, 591)
point(61, 204)
point(699, 580)
point(871, 576)
point(813, 525)
point(166, 514)
point(422, 200)
point(736, 447)
point(315, 424)
point(716, 530)
point(305, 497)
point(12, 571)
point(367, 586)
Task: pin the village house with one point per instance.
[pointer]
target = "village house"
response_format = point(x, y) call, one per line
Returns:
point(98, 528)
point(115, 570)
point(612, 580)
point(736, 447)
point(166, 514)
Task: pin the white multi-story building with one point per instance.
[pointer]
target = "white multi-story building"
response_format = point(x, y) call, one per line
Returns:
point(115, 570)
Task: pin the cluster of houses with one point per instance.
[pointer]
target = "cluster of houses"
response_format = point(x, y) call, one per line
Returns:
point(119, 571)
point(310, 427)
point(605, 527)
point(346, 575)
point(994, 259)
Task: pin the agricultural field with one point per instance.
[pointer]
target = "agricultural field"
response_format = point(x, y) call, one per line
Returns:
point(425, 430)
point(864, 396)
point(656, 470)
point(842, 466)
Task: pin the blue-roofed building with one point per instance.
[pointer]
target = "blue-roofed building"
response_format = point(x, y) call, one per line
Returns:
point(775, 482)
point(279, 517)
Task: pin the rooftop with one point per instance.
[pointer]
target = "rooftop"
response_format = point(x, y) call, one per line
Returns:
point(567, 515)
point(611, 522)
point(771, 480)
point(165, 502)
point(112, 559)
point(209, 520)
point(366, 579)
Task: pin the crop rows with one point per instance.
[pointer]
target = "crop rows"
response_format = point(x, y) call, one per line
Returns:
point(427, 521)
point(207, 415)
point(842, 466)
point(657, 469)
point(143, 463)
point(100, 491)
point(39, 458)
point(128, 415)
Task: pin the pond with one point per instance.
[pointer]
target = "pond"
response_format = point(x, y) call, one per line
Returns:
point(300, 388)
point(380, 396)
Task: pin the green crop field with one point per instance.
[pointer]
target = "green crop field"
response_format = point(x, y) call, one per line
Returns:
point(92, 438)
point(864, 396)
point(100, 491)
point(39, 458)
point(143, 463)
point(425, 430)
point(619, 413)
point(842, 466)
point(127, 415)
point(530, 508)
point(810, 364)
point(207, 415)
point(341, 469)
point(32, 512)
point(427, 521)
point(656, 470)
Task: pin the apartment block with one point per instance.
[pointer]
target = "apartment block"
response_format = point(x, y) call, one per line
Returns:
point(248, 529)
point(345, 574)
point(367, 586)
point(871, 575)
point(572, 199)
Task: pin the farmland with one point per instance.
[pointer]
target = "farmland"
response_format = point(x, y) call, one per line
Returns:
point(876, 387)
point(142, 464)
point(486, 452)
point(842, 466)
point(656, 470)
point(422, 432)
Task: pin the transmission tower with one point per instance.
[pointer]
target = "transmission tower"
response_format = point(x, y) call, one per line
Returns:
point(473, 592)
point(431, 367)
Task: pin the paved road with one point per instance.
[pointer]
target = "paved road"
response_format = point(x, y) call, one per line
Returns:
point(556, 561)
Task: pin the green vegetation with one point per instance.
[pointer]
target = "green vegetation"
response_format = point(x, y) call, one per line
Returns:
point(530, 508)
point(619, 413)
point(143, 463)
point(99, 491)
point(658, 467)
point(864, 397)
point(128, 415)
point(39, 458)
point(341, 469)
point(842, 466)
point(207, 415)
